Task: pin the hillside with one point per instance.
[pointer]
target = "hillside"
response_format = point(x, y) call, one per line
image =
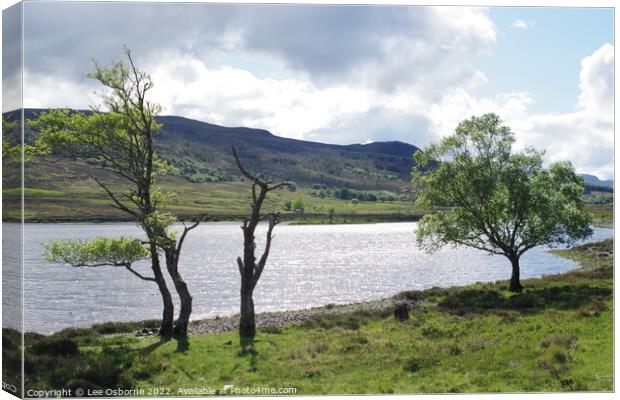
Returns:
point(201, 151)
point(208, 180)
point(592, 180)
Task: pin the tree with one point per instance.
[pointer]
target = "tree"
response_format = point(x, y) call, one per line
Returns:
point(330, 214)
point(122, 138)
point(493, 199)
point(249, 269)
point(298, 203)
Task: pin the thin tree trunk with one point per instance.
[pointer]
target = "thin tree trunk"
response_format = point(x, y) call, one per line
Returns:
point(247, 324)
point(166, 329)
point(515, 282)
point(180, 329)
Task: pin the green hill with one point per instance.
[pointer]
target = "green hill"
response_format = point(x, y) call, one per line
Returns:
point(208, 181)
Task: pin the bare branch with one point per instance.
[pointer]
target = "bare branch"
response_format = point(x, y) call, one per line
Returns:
point(136, 273)
point(240, 265)
point(186, 229)
point(274, 219)
point(243, 170)
point(118, 204)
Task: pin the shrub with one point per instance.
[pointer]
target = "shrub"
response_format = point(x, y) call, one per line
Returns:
point(567, 341)
point(593, 308)
point(74, 333)
point(419, 362)
point(524, 300)
point(55, 346)
point(272, 329)
point(472, 299)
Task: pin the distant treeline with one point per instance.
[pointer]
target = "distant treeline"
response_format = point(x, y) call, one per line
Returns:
point(323, 191)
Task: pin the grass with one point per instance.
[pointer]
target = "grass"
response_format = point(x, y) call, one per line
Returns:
point(603, 214)
point(15, 193)
point(555, 336)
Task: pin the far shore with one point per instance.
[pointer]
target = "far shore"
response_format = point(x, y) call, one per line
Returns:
point(287, 217)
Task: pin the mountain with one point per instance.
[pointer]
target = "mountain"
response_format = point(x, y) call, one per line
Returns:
point(202, 152)
point(592, 180)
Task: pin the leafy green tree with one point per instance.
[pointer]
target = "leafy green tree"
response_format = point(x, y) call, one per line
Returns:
point(494, 199)
point(298, 203)
point(122, 140)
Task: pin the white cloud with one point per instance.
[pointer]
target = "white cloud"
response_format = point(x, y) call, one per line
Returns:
point(268, 74)
point(596, 81)
point(412, 79)
point(584, 136)
point(521, 24)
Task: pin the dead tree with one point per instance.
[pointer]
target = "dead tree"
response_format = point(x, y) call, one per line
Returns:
point(249, 269)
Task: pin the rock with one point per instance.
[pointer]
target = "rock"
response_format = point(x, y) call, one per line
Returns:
point(401, 311)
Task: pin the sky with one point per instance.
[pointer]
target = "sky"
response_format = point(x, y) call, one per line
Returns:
point(345, 74)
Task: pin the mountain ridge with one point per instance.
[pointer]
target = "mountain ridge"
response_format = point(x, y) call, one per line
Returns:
point(202, 152)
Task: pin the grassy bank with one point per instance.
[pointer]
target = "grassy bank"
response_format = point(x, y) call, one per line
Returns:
point(556, 336)
point(78, 200)
point(602, 214)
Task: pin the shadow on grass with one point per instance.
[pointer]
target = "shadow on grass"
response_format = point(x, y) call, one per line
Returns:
point(563, 297)
point(152, 347)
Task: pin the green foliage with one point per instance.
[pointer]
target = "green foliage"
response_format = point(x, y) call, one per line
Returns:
point(13, 153)
point(298, 203)
point(97, 252)
point(7, 149)
point(598, 198)
point(494, 199)
point(120, 139)
point(361, 195)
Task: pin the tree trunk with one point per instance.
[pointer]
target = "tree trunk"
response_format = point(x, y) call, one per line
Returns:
point(180, 329)
point(515, 283)
point(247, 324)
point(165, 331)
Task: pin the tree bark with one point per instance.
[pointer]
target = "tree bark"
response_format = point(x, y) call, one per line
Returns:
point(180, 328)
point(247, 324)
point(166, 328)
point(515, 283)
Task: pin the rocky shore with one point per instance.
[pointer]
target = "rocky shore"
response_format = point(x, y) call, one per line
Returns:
point(270, 321)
